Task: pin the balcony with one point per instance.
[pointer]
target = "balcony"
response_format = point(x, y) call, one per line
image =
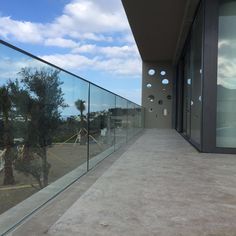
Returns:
point(157, 185)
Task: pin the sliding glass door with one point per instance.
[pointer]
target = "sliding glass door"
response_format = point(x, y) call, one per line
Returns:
point(192, 83)
point(187, 94)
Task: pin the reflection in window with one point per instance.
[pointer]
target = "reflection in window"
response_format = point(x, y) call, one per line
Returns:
point(196, 77)
point(102, 109)
point(42, 111)
point(226, 80)
point(120, 121)
point(46, 130)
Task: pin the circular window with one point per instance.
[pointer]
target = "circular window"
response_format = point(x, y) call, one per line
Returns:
point(165, 81)
point(169, 97)
point(151, 72)
point(189, 81)
point(163, 73)
point(151, 98)
point(160, 102)
point(150, 110)
point(149, 85)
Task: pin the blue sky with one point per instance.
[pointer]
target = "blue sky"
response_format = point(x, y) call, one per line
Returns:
point(91, 38)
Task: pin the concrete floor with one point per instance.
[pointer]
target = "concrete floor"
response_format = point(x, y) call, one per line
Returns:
point(159, 186)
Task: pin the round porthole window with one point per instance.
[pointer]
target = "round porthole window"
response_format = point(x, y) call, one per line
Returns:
point(151, 98)
point(163, 73)
point(150, 110)
point(151, 72)
point(165, 81)
point(149, 85)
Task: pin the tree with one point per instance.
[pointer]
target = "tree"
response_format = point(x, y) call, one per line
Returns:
point(22, 103)
point(41, 88)
point(80, 105)
point(7, 139)
point(27, 161)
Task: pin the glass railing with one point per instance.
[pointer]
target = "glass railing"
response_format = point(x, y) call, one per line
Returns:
point(54, 127)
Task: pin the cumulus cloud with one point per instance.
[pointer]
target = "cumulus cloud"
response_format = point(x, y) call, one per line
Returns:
point(81, 19)
point(227, 63)
point(84, 16)
point(130, 67)
point(125, 51)
point(23, 31)
point(10, 67)
point(95, 34)
point(60, 42)
point(69, 61)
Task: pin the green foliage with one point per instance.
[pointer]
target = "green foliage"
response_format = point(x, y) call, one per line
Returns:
point(7, 134)
point(46, 96)
point(38, 100)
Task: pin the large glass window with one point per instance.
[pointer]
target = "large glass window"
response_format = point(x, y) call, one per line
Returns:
point(226, 80)
point(102, 127)
point(120, 120)
point(49, 121)
point(43, 111)
point(196, 78)
point(192, 82)
point(187, 93)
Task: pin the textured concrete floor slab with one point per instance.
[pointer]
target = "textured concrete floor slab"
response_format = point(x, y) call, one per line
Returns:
point(161, 186)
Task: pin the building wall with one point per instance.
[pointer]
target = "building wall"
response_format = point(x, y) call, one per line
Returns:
point(157, 95)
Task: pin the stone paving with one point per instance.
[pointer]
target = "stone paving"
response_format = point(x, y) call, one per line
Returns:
point(160, 186)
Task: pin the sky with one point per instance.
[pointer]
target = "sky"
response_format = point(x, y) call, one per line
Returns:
point(90, 38)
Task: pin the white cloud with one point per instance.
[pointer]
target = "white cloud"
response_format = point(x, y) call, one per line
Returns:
point(119, 52)
point(126, 51)
point(81, 19)
point(93, 16)
point(86, 48)
point(227, 63)
point(69, 61)
point(23, 31)
point(129, 67)
point(227, 72)
point(10, 67)
point(60, 42)
point(81, 27)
